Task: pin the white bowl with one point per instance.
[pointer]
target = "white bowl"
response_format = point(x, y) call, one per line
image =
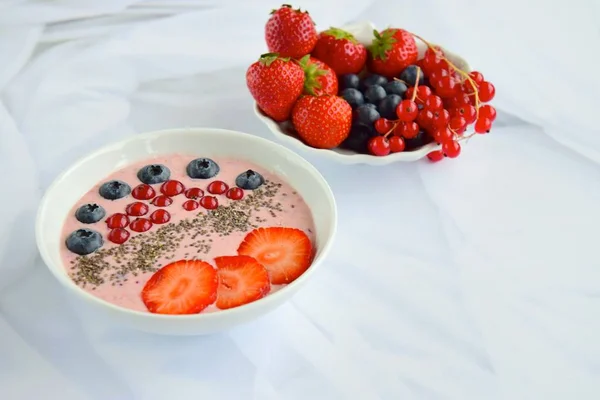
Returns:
point(363, 31)
point(80, 177)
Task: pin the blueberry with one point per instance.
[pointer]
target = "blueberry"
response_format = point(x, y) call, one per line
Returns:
point(409, 75)
point(420, 140)
point(366, 114)
point(155, 173)
point(89, 213)
point(358, 139)
point(349, 81)
point(395, 87)
point(249, 180)
point(84, 241)
point(202, 168)
point(374, 94)
point(353, 96)
point(387, 106)
point(373, 80)
point(115, 189)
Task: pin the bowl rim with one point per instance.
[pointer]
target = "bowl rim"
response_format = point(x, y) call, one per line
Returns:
point(66, 281)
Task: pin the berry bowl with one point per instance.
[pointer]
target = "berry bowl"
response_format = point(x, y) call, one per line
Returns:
point(188, 296)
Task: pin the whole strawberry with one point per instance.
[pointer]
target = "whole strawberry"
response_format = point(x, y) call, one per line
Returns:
point(341, 51)
point(391, 51)
point(289, 32)
point(319, 78)
point(275, 83)
point(322, 121)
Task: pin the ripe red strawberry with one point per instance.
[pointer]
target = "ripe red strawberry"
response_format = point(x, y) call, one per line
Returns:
point(182, 287)
point(285, 252)
point(391, 51)
point(289, 32)
point(341, 51)
point(319, 78)
point(241, 280)
point(322, 121)
point(275, 83)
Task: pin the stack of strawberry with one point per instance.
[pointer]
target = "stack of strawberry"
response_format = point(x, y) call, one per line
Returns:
point(313, 80)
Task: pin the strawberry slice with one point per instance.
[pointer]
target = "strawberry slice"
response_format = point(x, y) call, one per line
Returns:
point(285, 252)
point(241, 280)
point(181, 287)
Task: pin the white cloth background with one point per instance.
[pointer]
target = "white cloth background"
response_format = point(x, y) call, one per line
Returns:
point(476, 278)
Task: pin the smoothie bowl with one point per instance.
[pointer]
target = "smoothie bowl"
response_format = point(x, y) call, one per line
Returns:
point(186, 231)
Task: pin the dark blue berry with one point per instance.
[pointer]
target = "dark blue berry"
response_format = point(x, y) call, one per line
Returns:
point(353, 96)
point(387, 106)
point(420, 140)
point(152, 174)
point(249, 180)
point(373, 79)
point(115, 189)
point(202, 168)
point(358, 139)
point(409, 75)
point(89, 213)
point(366, 114)
point(84, 241)
point(374, 94)
point(349, 81)
point(395, 87)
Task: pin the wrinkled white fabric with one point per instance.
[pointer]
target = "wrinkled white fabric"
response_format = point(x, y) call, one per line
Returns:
point(475, 278)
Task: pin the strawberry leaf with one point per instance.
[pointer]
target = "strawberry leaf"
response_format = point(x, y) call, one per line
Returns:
point(382, 43)
point(340, 34)
point(311, 74)
point(269, 58)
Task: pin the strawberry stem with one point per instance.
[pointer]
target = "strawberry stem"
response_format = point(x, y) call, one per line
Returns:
point(414, 95)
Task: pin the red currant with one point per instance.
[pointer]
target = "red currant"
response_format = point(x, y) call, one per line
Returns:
point(425, 119)
point(486, 91)
point(235, 193)
point(194, 193)
point(467, 111)
point(459, 99)
point(160, 216)
point(407, 110)
point(434, 103)
point(458, 124)
point(437, 75)
point(487, 111)
point(446, 87)
point(451, 148)
point(140, 225)
point(383, 126)
point(440, 118)
point(118, 235)
point(442, 135)
point(217, 187)
point(476, 76)
point(172, 188)
point(433, 61)
point(190, 205)
point(117, 220)
point(162, 201)
point(209, 202)
point(423, 92)
point(137, 209)
point(379, 146)
point(143, 192)
point(398, 128)
point(396, 144)
point(435, 156)
point(483, 125)
point(410, 130)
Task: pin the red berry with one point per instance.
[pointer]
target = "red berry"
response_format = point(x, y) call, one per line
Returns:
point(436, 76)
point(379, 146)
point(446, 87)
point(487, 111)
point(190, 205)
point(217, 187)
point(407, 110)
point(467, 111)
point(398, 128)
point(137, 209)
point(383, 125)
point(209, 202)
point(162, 201)
point(433, 61)
point(396, 144)
point(442, 135)
point(451, 148)
point(118, 235)
point(435, 156)
point(425, 119)
point(476, 76)
point(483, 125)
point(172, 188)
point(486, 91)
point(440, 118)
point(458, 124)
point(434, 103)
point(140, 225)
point(235, 193)
point(194, 193)
point(143, 192)
point(410, 130)
point(459, 99)
point(160, 217)
point(423, 92)
point(117, 220)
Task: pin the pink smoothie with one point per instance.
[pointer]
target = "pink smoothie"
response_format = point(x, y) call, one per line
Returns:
point(118, 273)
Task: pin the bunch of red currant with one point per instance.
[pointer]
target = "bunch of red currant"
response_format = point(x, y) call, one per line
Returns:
point(443, 109)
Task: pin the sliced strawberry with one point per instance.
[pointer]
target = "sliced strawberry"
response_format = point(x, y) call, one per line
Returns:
point(285, 252)
point(241, 280)
point(182, 287)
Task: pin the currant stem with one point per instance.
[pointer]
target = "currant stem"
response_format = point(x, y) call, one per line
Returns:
point(414, 95)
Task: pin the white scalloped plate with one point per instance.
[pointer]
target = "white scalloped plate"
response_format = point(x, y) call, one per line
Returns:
point(363, 31)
